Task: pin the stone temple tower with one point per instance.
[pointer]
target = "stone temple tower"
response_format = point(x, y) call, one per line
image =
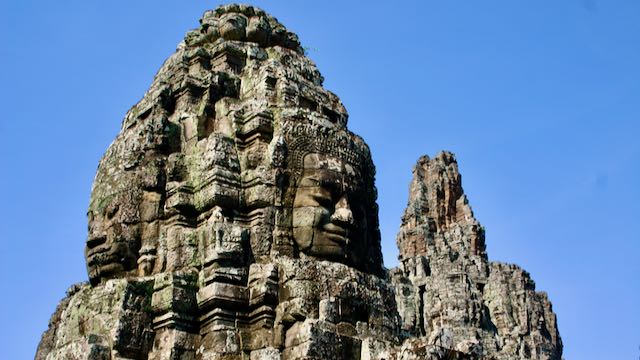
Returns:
point(234, 217)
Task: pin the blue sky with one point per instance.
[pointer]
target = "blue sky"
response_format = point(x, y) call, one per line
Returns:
point(540, 100)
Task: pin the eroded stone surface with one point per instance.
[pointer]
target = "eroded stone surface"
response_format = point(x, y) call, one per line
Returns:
point(448, 293)
point(235, 217)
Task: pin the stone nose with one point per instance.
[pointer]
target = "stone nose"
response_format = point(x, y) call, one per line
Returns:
point(342, 215)
point(97, 235)
point(96, 240)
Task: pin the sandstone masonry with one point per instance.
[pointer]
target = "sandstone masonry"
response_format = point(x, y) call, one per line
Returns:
point(235, 217)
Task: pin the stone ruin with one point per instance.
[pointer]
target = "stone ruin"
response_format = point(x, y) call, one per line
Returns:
point(235, 217)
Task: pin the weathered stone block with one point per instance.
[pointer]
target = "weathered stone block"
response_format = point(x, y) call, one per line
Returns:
point(174, 292)
point(315, 339)
point(222, 295)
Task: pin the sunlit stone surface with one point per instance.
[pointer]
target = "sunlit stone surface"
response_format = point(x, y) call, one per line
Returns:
point(235, 217)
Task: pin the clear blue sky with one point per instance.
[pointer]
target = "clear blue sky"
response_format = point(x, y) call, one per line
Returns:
point(540, 100)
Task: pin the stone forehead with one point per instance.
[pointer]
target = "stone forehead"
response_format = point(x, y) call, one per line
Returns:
point(309, 144)
point(315, 161)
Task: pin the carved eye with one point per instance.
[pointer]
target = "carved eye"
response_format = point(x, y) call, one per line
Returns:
point(112, 209)
point(323, 200)
point(333, 188)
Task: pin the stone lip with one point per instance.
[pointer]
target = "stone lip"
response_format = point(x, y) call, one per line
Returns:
point(235, 217)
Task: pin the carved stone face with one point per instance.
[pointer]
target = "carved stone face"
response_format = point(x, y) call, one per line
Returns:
point(232, 26)
point(113, 242)
point(328, 220)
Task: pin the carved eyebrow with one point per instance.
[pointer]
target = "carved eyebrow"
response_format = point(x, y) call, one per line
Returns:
point(336, 187)
point(328, 183)
point(335, 184)
point(316, 181)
